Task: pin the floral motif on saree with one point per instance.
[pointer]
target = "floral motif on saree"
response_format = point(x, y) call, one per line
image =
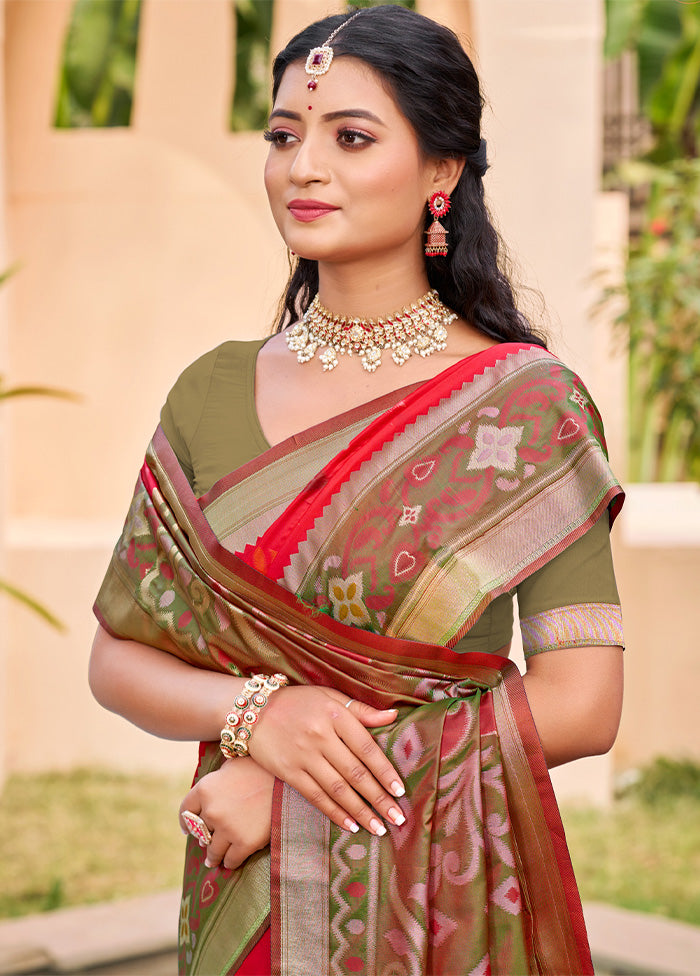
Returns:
point(363, 582)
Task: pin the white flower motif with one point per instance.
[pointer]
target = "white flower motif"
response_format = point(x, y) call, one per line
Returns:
point(496, 447)
point(410, 515)
point(346, 597)
point(579, 399)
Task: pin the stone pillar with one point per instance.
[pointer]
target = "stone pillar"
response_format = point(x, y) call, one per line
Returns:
point(291, 16)
point(540, 65)
point(184, 71)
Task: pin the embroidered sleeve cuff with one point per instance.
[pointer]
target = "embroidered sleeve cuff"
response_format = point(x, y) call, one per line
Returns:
point(580, 625)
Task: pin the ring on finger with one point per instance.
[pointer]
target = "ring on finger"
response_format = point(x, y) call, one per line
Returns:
point(196, 827)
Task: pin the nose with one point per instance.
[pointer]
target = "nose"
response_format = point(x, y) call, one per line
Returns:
point(308, 165)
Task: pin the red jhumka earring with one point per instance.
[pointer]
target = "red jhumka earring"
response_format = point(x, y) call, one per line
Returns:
point(436, 235)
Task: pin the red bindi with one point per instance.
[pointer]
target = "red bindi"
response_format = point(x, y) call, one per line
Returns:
point(309, 108)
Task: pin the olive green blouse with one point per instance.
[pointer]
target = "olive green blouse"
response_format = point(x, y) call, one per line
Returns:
point(212, 425)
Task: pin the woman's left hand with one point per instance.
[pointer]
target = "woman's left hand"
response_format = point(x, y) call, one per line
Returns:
point(235, 802)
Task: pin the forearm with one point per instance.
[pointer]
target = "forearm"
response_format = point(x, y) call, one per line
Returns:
point(575, 696)
point(158, 692)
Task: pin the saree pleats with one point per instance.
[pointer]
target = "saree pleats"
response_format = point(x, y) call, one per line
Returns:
point(478, 880)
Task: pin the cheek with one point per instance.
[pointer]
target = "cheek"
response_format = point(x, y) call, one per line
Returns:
point(272, 176)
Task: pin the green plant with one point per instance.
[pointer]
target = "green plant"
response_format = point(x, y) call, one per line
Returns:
point(99, 63)
point(665, 35)
point(251, 95)
point(661, 320)
point(661, 285)
point(664, 781)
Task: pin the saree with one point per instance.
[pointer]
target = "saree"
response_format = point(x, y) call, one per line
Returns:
point(363, 580)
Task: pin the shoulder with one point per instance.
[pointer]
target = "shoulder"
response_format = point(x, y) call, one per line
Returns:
point(225, 365)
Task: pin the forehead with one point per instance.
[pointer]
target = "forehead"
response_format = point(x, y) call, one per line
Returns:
point(348, 82)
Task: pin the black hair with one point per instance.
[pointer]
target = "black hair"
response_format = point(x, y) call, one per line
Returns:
point(436, 88)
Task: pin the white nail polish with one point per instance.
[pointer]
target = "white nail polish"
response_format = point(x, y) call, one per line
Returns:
point(377, 828)
point(396, 816)
point(350, 825)
point(398, 789)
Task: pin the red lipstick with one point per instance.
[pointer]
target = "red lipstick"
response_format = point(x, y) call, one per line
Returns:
point(308, 210)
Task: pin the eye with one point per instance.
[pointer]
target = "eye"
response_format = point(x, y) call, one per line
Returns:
point(354, 139)
point(278, 137)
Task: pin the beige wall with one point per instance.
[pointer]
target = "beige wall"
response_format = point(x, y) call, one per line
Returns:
point(3, 422)
point(141, 248)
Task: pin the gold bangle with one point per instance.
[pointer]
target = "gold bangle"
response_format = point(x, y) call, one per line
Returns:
point(247, 706)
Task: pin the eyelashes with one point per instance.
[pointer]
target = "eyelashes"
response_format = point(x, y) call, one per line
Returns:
point(347, 138)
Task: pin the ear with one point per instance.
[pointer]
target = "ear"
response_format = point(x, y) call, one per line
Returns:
point(446, 173)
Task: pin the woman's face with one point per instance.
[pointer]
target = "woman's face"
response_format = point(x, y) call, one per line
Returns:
point(344, 175)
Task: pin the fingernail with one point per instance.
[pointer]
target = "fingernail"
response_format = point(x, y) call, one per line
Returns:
point(398, 789)
point(377, 828)
point(350, 825)
point(208, 863)
point(396, 816)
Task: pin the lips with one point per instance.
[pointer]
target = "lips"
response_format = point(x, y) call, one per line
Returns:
point(308, 210)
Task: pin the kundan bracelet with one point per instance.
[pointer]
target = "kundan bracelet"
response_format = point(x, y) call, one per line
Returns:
point(236, 734)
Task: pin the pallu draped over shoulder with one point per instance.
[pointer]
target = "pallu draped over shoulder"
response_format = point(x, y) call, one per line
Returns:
point(364, 580)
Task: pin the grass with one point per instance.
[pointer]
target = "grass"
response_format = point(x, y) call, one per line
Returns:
point(87, 836)
point(643, 853)
point(91, 836)
point(646, 858)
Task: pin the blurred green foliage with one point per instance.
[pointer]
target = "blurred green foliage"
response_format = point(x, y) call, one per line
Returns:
point(96, 82)
point(251, 95)
point(661, 320)
point(97, 78)
point(661, 285)
point(665, 781)
point(665, 35)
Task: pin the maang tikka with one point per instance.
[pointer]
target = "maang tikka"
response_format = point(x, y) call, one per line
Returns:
point(320, 58)
point(436, 235)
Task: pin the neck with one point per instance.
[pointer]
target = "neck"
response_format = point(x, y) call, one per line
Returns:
point(370, 289)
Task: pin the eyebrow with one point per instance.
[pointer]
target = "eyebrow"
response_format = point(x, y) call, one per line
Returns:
point(346, 113)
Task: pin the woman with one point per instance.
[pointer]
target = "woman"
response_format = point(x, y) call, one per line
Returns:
point(357, 525)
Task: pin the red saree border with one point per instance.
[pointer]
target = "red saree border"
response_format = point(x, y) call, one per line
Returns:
point(416, 654)
point(305, 437)
point(514, 690)
point(257, 597)
point(301, 513)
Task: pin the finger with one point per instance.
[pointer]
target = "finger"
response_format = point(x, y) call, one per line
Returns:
point(365, 747)
point(216, 850)
point(372, 717)
point(346, 768)
point(366, 714)
point(189, 828)
point(312, 791)
point(347, 795)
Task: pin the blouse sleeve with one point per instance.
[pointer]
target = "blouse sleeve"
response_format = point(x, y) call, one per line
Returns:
point(572, 601)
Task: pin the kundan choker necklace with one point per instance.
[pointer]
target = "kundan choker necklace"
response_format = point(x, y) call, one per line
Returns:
point(419, 328)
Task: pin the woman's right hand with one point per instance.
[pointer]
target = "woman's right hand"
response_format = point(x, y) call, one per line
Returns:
point(307, 737)
point(235, 802)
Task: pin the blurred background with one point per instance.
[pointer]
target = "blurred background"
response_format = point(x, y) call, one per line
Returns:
point(135, 235)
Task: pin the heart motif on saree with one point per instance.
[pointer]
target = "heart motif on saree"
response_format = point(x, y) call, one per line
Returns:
point(209, 891)
point(405, 562)
point(568, 430)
